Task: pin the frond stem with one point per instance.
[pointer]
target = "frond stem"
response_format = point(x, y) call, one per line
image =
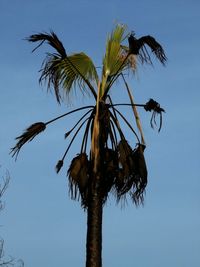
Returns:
point(137, 118)
point(80, 120)
point(116, 123)
point(73, 138)
point(115, 76)
point(85, 137)
point(75, 110)
point(122, 116)
point(128, 104)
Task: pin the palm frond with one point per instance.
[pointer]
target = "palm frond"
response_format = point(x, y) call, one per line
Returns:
point(132, 174)
point(51, 39)
point(109, 171)
point(78, 174)
point(137, 47)
point(154, 106)
point(61, 70)
point(114, 59)
point(141, 173)
point(76, 70)
point(27, 136)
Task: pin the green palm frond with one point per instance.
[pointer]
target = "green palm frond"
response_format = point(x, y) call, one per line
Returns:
point(62, 71)
point(114, 59)
point(76, 70)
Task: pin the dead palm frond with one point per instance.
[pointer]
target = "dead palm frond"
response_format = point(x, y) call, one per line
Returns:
point(154, 106)
point(36, 128)
point(27, 136)
point(140, 174)
point(132, 174)
point(51, 39)
point(151, 106)
point(78, 174)
point(138, 47)
point(61, 70)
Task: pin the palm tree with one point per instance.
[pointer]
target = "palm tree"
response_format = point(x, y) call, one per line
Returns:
point(106, 162)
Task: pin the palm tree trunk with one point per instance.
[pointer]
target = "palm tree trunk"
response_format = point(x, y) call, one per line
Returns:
point(94, 228)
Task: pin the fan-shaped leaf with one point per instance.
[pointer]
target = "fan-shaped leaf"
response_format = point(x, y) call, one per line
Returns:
point(76, 70)
point(61, 70)
point(114, 60)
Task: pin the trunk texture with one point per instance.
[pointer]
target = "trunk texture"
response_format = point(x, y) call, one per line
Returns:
point(94, 229)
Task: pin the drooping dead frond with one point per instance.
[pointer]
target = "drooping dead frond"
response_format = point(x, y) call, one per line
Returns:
point(78, 174)
point(27, 136)
point(154, 106)
point(124, 151)
point(51, 39)
point(61, 70)
point(50, 73)
point(109, 171)
point(137, 47)
point(131, 177)
point(140, 180)
point(125, 166)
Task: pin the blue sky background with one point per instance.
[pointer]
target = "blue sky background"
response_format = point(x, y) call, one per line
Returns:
point(40, 223)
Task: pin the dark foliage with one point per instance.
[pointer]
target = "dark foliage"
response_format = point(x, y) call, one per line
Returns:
point(154, 107)
point(49, 71)
point(137, 47)
point(51, 39)
point(79, 173)
point(59, 165)
point(27, 136)
point(122, 171)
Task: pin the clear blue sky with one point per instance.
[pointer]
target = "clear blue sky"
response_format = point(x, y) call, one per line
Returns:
point(40, 223)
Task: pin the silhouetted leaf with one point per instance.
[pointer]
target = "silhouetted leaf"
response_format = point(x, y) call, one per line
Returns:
point(27, 136)
point(140, 174)
point(78, 173)
point(154, 106)
point(137, 47)
point(59, 165)
point(67, 134)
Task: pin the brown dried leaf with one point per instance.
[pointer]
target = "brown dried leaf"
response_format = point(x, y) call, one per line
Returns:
point(27, 136)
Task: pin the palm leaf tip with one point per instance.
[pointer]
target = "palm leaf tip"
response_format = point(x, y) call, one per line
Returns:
point(59, 165)
point(29, 134)
point(51, 39)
